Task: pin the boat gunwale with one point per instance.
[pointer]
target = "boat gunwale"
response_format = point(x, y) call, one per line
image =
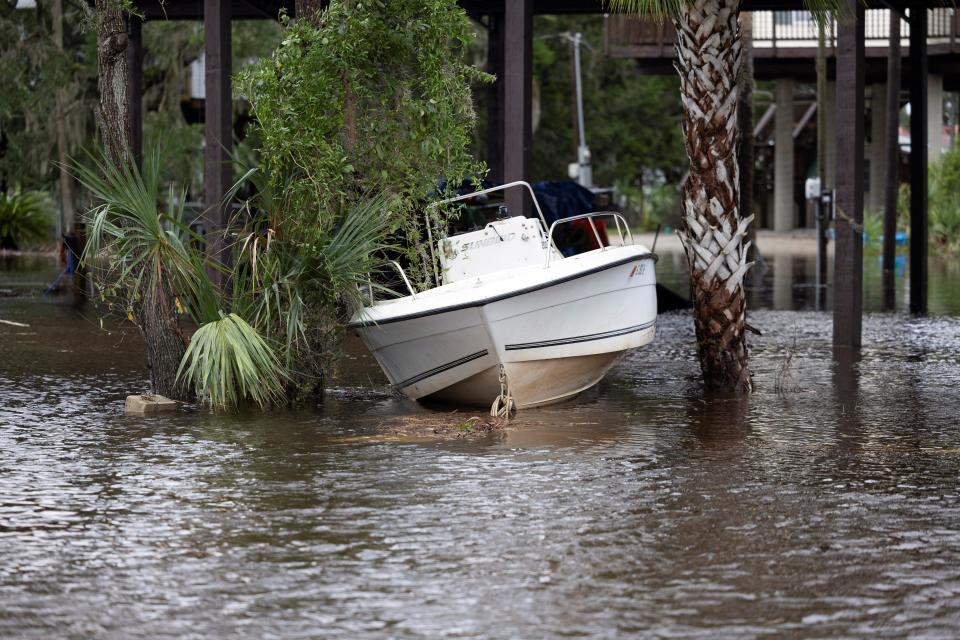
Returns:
point(503, 296)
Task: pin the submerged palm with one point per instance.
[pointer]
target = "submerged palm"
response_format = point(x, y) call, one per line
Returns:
point(712, 231)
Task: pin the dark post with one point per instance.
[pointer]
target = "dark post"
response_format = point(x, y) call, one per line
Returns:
point(495, 97)
point(823, 221)
point(135, 88)
point(918, 160)
point(848, 276)
point(218, 126)
point(893, 163)
point(745, 120)
point(517, 100)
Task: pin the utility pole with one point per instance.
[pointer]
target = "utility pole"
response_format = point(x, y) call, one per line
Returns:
point(584, 170)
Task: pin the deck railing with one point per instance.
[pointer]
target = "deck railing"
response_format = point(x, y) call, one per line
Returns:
point(773, 30)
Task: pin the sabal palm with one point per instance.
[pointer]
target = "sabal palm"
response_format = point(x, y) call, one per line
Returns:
point(712, 231)
point(147, 258)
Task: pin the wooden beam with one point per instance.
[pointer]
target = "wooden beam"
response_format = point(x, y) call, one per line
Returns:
point(494, 97)
point(918, 160)
point(218, 127)
point(135, 85)
point(517, 100)
point(848, 266)
point(193, 9)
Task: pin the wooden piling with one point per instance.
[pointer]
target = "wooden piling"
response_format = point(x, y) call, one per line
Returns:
point(918, 159)
point(892, 151)
point(517, 100)
point(848, 270)
point(218, 127)
point(495, 96)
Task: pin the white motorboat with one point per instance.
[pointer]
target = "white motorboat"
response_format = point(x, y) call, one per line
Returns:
point(510, 308)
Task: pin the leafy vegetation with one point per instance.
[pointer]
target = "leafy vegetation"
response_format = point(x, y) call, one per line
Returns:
point(267, 338)
point(872, 230)
point(229, 362)
point(35, 72)
point(945, 202)
point(615, 94)
point(645, 166)
point(300, 290)
point(43, 87)
point(369, 97)
point(26, 218)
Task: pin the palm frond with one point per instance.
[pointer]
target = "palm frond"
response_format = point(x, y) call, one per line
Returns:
point(228, 363)
point(25, 217)
point(657, 9)
point(823, 11)
point(826, 11)
point(355, 250)
point(149, 250)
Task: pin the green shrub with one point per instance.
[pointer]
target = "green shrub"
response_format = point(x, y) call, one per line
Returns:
point(872, 229)
point(945, 202)
point(374, 96)
point(26, 219)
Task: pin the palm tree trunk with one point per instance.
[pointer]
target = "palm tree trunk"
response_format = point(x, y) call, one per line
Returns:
point(165, 343)
point(308, 10)
point(155, 316)
point(712, 231)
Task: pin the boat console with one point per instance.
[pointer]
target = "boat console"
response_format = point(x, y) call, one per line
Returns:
point(503, 244)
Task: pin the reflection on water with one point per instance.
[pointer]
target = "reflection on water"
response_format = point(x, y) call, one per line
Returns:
point(787, 281)
point(644, 507)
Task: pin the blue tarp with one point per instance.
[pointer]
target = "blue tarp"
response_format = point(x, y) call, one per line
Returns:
point(563, 199)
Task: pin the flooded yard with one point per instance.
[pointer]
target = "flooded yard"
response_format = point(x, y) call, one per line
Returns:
point(827, 504)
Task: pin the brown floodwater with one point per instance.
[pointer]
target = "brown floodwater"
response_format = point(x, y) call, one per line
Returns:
point(827, 504)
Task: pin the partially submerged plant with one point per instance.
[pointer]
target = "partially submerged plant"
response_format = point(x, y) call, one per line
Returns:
point(141, 259)
point(785, 382)
point(148, 265)
point(300, 290)
point(229, 362)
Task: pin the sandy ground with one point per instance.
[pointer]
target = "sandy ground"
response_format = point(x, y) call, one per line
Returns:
point(801, 241)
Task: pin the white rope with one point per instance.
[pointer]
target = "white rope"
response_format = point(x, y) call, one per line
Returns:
point(503, 407)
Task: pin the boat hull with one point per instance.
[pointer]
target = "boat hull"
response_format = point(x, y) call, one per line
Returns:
point(554, 334)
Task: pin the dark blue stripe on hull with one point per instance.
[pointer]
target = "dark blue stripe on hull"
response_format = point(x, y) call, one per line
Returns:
point(584, 338)
point(444, 367)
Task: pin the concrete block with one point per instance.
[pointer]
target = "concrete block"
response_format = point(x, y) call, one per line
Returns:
point(146, 404)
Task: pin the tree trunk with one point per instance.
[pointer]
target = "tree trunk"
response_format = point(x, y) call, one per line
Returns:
point(712, 231)
point(165, 343)
point(155, 317)
point(72, 239)
point(113, 116)
point(66, 180)
point(308, 10)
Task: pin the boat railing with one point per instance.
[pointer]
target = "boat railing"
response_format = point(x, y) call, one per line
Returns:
point(406, 280)
point(617, 219)
point(467, 196)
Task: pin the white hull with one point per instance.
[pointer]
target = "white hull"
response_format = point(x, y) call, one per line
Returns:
point(556, 331)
